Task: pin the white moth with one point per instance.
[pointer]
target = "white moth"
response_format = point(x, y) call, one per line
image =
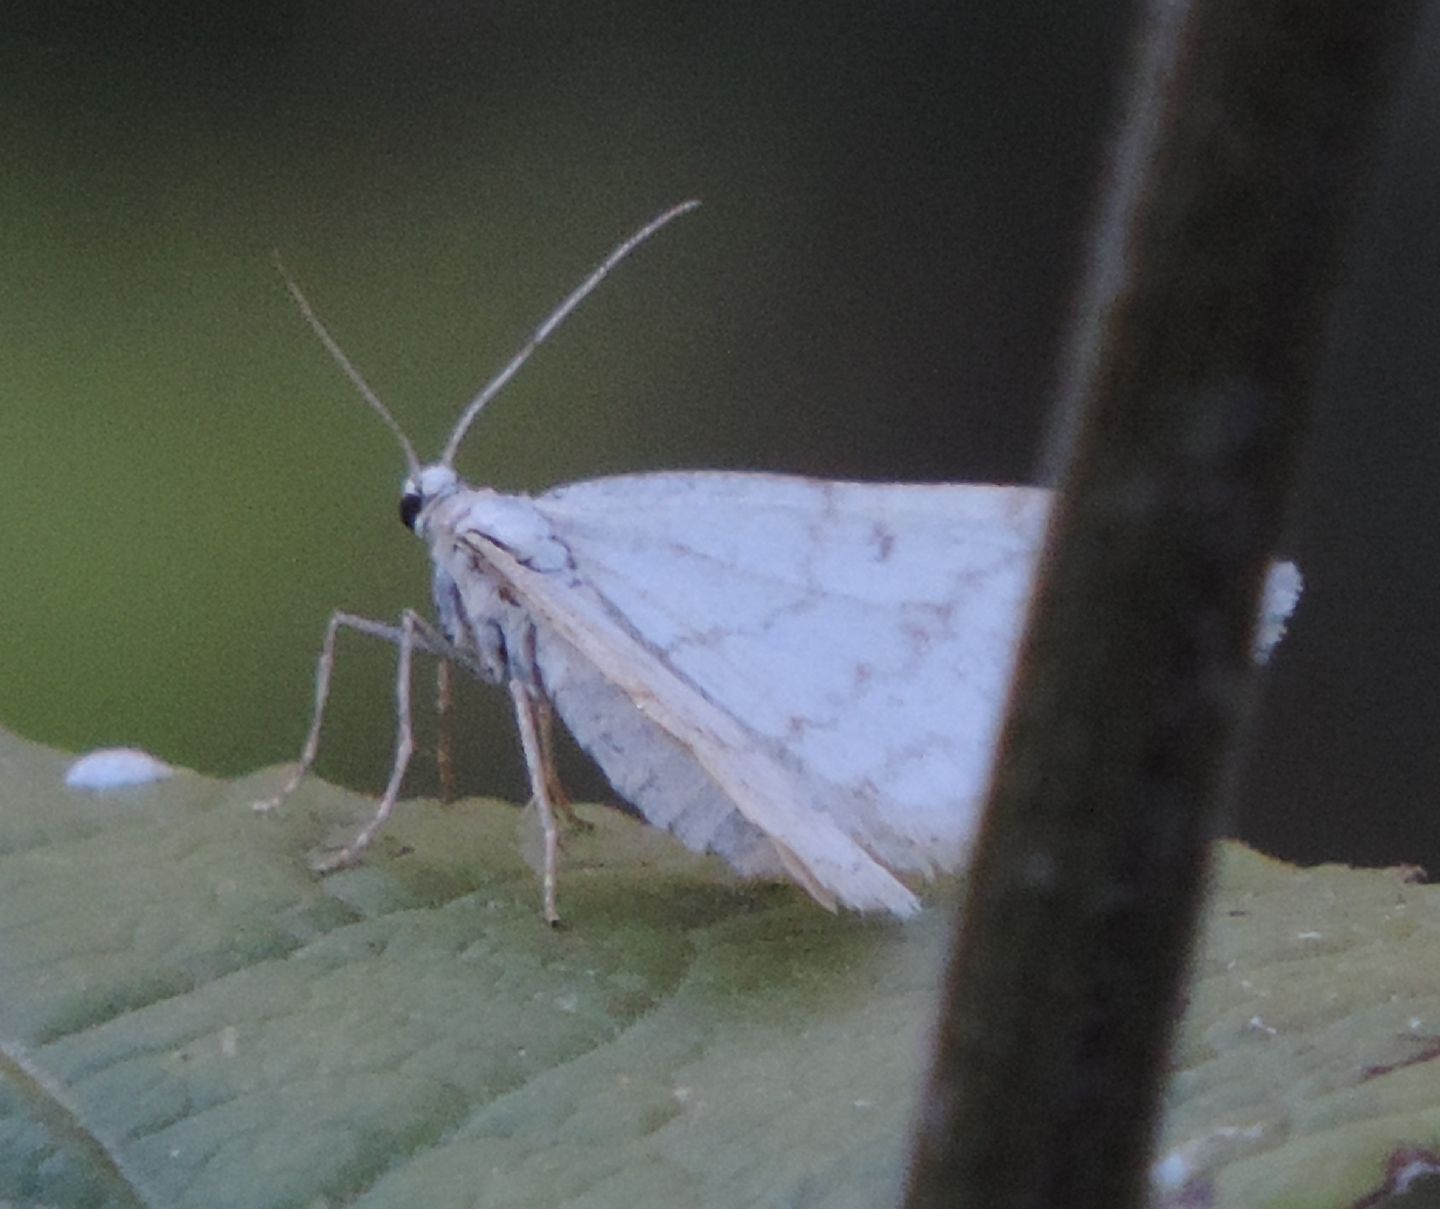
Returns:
point(805, 677)
point(110, 768)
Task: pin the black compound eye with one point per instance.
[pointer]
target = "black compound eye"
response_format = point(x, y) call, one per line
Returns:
point(409, 509)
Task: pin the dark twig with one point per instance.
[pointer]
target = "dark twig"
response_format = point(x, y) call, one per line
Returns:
point(1247, 140)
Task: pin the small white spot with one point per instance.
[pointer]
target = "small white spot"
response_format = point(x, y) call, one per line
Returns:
point(682, 1095)
point(1170, 1173)
point(1260, 1026)
point(115, 768)
point(1308, 936)
point(229, 1041)
point(568, 1002)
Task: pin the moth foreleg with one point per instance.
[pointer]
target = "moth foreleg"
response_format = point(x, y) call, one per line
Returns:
point(530, 714)
point(422, 636)
point(404, 749)
point(323, 669)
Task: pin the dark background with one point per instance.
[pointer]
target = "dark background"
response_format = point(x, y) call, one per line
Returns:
point(895, 199)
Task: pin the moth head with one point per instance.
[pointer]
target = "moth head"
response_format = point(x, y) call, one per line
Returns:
point(422, 488)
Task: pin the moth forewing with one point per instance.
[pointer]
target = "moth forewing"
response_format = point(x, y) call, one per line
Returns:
point(863, 632)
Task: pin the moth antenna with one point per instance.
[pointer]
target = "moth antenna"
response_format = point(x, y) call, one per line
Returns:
point(541, 333)
point(347, 366)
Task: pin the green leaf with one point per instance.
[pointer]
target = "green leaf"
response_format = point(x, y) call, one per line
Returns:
point(189, 1017)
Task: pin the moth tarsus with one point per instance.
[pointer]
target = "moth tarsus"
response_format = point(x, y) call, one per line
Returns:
point(404, 740)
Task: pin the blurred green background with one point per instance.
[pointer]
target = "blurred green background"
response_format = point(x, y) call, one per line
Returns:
point(895, 197)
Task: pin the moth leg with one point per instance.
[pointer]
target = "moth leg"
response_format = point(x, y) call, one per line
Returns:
point(404, 749)
point(559, 798)
point(444, 723)
point(530, 710)
point(423, 636)
point(323, 669)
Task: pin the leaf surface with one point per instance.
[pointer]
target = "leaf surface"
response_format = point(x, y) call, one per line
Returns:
point(190, 1017)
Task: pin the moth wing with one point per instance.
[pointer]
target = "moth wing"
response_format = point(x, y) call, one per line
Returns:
point(611, 683)
point(865, 633)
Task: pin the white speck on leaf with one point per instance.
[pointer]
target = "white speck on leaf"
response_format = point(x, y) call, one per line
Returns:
point(115, 768)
